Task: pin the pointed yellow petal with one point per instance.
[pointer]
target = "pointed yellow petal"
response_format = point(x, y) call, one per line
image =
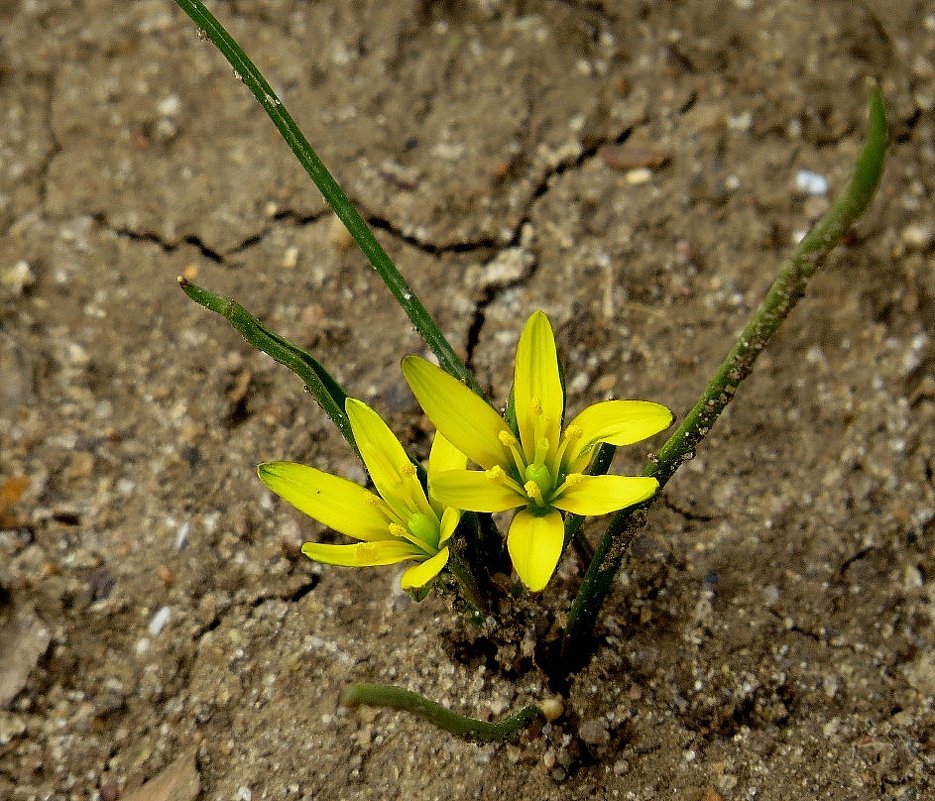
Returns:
point(362, 554)
point(619, 422)
point(598, 495)
point(450, 519)
point(418, 576)
point(392, 472)
point(535, 545)
point(464, 419)
point(536, 381)
point(338, 503)
point(444, 456)
point(474, 491)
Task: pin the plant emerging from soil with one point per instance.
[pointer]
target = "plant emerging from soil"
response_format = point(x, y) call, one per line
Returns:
point(554, 473)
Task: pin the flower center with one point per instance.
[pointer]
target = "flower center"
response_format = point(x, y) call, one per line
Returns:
point(538, 484)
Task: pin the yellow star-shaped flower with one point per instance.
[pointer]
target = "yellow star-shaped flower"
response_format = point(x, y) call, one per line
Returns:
point(541, 469)
point(398, 524)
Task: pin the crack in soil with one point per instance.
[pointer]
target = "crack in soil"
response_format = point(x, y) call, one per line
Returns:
point(42, 173)
point(152, 237)
point(289, 597)
point(489, 294)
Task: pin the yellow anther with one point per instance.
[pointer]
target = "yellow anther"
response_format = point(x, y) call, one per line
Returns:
point(533, 492)
point(507, 439)
point(398, 531)
point(408, 470)
point(495, 473)
point(573, 433)
point(573, 478)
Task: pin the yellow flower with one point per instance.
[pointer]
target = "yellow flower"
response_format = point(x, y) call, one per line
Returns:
point(541, 469)
point(399, 524)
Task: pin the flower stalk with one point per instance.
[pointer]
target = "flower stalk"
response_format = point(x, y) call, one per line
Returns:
point(247, 71)
point(781, 298)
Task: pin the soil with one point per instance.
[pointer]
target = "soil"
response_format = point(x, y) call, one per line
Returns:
point(638, 170)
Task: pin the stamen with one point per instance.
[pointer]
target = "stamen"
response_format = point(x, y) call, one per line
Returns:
point(539, 474)
point(570, 480)
point(573, 433)
point(533, 492)
point(408, 470)
point(510, 442)
point(497, 474)
point(398, 531)
point(570, 437)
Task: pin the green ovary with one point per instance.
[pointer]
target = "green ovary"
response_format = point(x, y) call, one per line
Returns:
point(425, 528)
point(539, 475)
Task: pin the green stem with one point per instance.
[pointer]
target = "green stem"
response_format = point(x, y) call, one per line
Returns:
point(329, 394)
point(509, 728)
point(332, 192)
point(785, 292)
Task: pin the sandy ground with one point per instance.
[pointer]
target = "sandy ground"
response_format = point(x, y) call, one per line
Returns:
point(637, 170)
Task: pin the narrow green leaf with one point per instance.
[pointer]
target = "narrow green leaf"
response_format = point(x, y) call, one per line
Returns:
point(328, 393)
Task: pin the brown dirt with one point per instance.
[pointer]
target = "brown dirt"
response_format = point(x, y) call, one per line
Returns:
point(772, 634)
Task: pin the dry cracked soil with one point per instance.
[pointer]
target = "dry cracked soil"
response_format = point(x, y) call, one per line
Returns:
point(636, 169)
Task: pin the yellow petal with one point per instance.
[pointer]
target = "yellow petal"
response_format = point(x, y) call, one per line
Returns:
point(392, 472)
point(362, 554)
point(444, 456)
point(535, 545)
point(474, 491)
point(536, 381)
point(450, 519)
point(418, 576)
point(598, 495)
point(467, 421)
point(338, 503)
point(619, 422)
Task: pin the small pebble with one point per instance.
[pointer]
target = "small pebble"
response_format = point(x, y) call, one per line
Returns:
point(811, 183)
point(290, 258)
point(918, 236)
point(170, 105)
point(552, 708)
point(340, 237)
point(159, 620)
point(181, 537)
point(18, 277)
point(639, 176)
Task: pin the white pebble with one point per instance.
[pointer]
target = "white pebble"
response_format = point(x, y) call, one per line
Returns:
point(918, 236)
point(290, 258)
point(181, 538)
point(811, 183)
point(170, 105)
point(158, 623)
point(18, 277)
point(639, 176)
